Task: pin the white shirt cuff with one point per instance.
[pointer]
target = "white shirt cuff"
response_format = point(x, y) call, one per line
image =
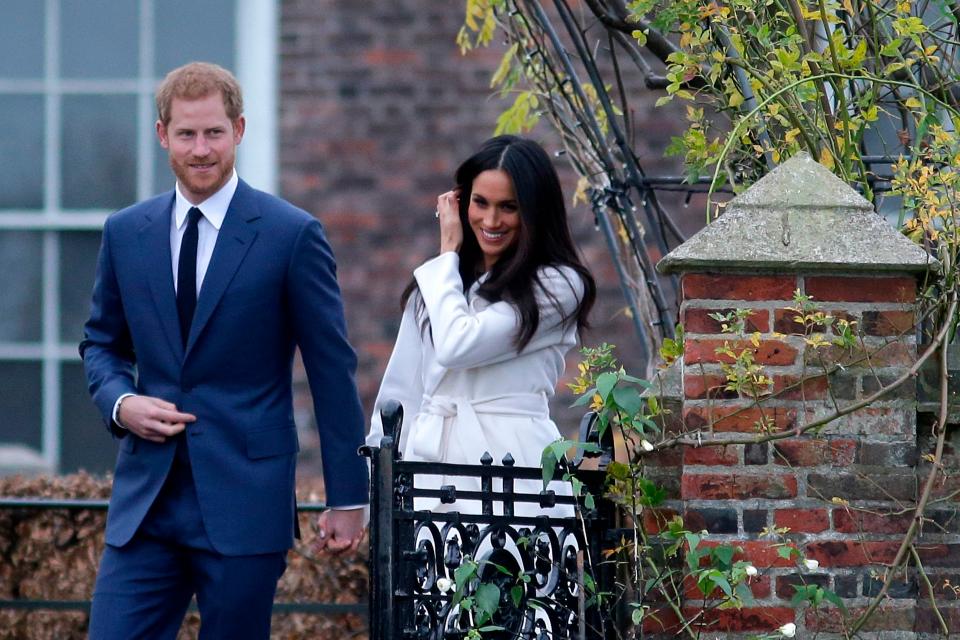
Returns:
point(116, 409)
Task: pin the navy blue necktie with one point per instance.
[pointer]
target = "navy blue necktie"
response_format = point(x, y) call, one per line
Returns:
point(187, 274)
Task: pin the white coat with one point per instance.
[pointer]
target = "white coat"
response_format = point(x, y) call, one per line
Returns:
point(467, 391)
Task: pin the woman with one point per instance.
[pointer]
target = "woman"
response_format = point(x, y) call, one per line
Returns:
point(486, 324)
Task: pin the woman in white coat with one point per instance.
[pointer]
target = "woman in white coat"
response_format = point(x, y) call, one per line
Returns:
point(486, 323)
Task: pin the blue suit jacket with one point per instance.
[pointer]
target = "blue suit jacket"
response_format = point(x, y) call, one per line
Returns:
point(271, 285)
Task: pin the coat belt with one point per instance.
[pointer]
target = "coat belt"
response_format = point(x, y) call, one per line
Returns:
point(444, 417)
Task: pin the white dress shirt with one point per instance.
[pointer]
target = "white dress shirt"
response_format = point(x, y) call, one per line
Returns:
point(214, 210)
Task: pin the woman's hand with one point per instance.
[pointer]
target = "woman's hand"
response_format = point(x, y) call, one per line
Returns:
point(451, 230)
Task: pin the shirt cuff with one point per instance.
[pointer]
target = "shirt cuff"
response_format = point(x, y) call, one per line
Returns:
point(348, 507)
point(116, 410)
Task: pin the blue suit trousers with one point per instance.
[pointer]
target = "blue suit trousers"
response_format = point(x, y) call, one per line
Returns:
point(143, 588)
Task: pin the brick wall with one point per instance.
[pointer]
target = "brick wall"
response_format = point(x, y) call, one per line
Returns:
point(842, 494)
point(378, 108)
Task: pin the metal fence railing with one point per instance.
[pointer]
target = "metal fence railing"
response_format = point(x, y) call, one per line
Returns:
point(78, 504)
point(544, 559)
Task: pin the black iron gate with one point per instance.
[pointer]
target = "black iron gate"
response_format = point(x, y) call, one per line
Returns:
point(548, 569)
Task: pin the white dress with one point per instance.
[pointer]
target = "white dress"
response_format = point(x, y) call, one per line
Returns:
point(467, 391)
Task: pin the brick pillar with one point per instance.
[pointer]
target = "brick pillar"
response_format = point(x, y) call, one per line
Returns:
point(801, 229)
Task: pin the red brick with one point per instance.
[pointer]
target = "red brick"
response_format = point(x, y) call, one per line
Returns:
point(860, 289)
point(853, 521)
point(812, 453)
point(928, 621)
point(887, 323)
point(723, 419)
point(698, 320)
point(710, 456)
point(760, 587)
point(810, 387)
point(802, 520)
point(391, 57)
point(661, 622)
point(719, 486)
point(770, 352)
point(884, 618)
point(892, 354)
point(760, 553)
point(787, 584)
point(701, 386)
point(745, 619)
point(656, 520)
point(852, 553)
point(785, 321)
point(713, 286)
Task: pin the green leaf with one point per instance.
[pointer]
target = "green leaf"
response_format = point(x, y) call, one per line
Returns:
point(786, 552)
point(488, 598)
point(516, 595)
point(628, 399)
point(724, 555)
point(832, 597)
point(605, 384)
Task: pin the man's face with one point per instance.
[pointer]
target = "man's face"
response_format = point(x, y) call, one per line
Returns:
point(202, 144)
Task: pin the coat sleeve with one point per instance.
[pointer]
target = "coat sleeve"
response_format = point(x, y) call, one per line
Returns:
point(403, 377)
point(107, 348)
point(464, 338)
point(316, 310)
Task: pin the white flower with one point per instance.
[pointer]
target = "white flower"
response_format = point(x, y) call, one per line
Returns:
point(811, 565)
point(646, 445)
point(788, 630)
point(444, 584)
point(751, 570)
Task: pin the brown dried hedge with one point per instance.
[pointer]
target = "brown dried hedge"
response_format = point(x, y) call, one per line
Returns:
point(53, 555)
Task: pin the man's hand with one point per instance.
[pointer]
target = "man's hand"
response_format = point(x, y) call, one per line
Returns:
point(152, 418)
point(339, 530)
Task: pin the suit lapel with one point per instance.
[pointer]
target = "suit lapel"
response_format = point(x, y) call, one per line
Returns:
point(157, 264)
point(236, 235)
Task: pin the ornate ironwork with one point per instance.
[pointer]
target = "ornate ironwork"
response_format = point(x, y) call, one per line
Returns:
point(544, 559)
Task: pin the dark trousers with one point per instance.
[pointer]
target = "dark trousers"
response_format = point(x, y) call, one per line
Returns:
point(143, 588)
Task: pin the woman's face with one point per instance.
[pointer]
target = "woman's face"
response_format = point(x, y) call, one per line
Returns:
point(493, 214)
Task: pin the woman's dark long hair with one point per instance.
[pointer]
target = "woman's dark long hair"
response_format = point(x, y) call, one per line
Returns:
point(543, 240)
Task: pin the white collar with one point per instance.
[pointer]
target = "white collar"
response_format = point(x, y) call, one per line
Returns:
point(214, 208)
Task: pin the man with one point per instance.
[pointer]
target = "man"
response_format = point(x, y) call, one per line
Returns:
point(201, 296)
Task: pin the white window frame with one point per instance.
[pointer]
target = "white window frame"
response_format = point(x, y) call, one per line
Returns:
point(256, 61)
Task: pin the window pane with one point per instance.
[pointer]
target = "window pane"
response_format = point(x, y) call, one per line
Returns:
point(20, 402)
point(84, 442)
point(21, 39)
point(100, 39)
point(189, 30)
point(99, 161)
point(21, 151)
point(78, 264)
point(163, 178)
point(21, 255)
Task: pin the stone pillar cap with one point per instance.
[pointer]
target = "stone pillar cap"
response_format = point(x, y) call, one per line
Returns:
point(799, 217)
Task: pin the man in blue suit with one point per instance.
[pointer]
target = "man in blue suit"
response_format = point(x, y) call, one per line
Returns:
point(201, 296)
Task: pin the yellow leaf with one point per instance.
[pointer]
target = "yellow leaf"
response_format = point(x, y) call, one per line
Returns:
point(736, 99)
point(826, 158)
point(913, 103)
point(580, 194)
point(791, 135)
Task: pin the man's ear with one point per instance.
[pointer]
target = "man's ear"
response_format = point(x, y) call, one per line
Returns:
point(239, 126)
point(162, 135)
